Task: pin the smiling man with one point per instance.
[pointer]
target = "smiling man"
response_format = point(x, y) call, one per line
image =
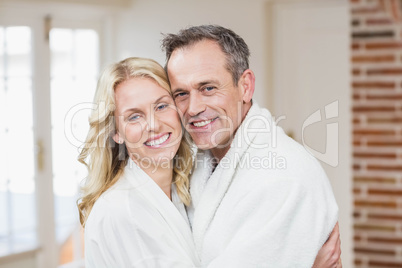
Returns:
point(247, 210)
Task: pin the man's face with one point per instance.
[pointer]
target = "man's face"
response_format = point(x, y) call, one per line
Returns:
point(208, 101)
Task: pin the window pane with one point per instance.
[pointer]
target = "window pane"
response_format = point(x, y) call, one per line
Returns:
point(18, 50)
point(1, 52)
point(17, 185)
point(20, 135)
point(3, 131)
point(61, 46)
point(86, 43)
point(3, 213)
point(74, 58)
point(24, 218)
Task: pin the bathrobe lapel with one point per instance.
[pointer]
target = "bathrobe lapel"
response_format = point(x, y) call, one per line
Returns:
point(208, 187)
point(151, 191)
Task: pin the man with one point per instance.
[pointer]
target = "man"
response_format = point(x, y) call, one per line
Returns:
point(258, 198)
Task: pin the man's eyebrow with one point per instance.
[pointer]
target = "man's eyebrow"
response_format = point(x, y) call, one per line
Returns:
point(177, 89)
point(203, 83)
point(198, 85)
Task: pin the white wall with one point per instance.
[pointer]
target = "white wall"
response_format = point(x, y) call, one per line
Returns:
point(312, 70)
point(139, 29)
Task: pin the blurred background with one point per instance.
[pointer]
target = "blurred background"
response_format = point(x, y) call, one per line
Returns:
point(329, 70)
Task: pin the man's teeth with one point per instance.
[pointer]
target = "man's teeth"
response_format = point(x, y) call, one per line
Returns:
point(158, 141)
point(202, 123)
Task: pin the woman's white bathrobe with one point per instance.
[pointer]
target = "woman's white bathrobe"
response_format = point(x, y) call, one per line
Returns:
point(134, 224)
point(267, 204)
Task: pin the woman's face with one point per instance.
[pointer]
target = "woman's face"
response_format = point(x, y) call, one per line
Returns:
point(147, 122)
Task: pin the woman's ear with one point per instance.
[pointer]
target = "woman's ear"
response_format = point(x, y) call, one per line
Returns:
point(247, 85)
point(117, 139)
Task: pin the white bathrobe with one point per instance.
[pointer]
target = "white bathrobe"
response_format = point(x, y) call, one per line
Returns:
point(134, 224)
point(267, 204)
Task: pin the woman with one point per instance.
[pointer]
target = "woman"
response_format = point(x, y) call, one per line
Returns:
point(133, 199)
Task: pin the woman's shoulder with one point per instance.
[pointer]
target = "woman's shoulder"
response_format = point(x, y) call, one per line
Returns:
point(114, 203)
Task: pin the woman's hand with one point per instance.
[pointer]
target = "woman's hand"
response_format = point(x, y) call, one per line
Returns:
point(329, 255)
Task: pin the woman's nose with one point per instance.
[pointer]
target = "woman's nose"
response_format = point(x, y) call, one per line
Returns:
point(153, 123)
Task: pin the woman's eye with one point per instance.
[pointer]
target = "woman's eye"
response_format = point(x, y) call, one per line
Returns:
point(161, 107)
point(133, 117)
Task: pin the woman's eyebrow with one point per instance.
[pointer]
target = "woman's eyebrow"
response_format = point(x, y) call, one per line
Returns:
point(158, 99)
point(131, 110)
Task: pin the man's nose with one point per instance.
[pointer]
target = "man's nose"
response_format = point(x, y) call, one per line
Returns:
point(196, 105)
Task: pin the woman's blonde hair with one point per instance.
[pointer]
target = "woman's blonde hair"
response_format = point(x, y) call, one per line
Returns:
point(104, 158)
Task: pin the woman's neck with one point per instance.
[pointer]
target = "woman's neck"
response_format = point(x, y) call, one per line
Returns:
point(162, 175)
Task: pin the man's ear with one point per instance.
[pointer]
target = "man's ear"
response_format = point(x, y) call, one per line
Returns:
point(247, 85)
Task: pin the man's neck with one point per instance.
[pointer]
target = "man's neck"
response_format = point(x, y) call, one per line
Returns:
point(219, 153)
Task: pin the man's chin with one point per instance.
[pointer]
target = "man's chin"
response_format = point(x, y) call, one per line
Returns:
point(204, 146)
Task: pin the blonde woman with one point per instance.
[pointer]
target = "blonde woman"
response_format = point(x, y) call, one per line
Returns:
point(133, 199)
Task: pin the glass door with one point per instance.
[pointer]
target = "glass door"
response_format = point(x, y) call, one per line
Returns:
point(74, 71)
point(17, 176)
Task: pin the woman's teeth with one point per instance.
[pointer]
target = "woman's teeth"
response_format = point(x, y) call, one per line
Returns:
point(202, 123)
point(158, 141)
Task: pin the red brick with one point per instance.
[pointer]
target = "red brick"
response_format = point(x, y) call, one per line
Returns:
point(389, 252)
point(356, 96)
point(356, 167)
point(374, 227)
point(385, 217)
point(374, 132)
point(389, 192)
point(385, 167)
point(380, 21)
point(384, 180)
point(381, 204)
point(385, 143)
point(355, 46)
point(396, 10)
point(356, 191)
point(366, 10)
point(373, 85)
point(357, 143)
point(384, 34)
point(356, 72)
point(373, 59)
point(385, 71)
point(385, 264)
point(375, 155)
point(384, 97)
point(389, 120)
point(384, 45)
point(371, 108)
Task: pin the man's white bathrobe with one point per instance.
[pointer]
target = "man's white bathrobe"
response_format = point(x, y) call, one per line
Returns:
point(134, 224)
point(267, 204)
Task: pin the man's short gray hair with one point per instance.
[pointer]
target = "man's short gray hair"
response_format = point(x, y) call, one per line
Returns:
point(232, 45)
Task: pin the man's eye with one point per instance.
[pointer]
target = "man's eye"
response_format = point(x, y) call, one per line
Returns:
point(180, 94)
point(208, 89)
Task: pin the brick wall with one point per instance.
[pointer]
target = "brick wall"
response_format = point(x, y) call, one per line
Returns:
point(377, 131)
